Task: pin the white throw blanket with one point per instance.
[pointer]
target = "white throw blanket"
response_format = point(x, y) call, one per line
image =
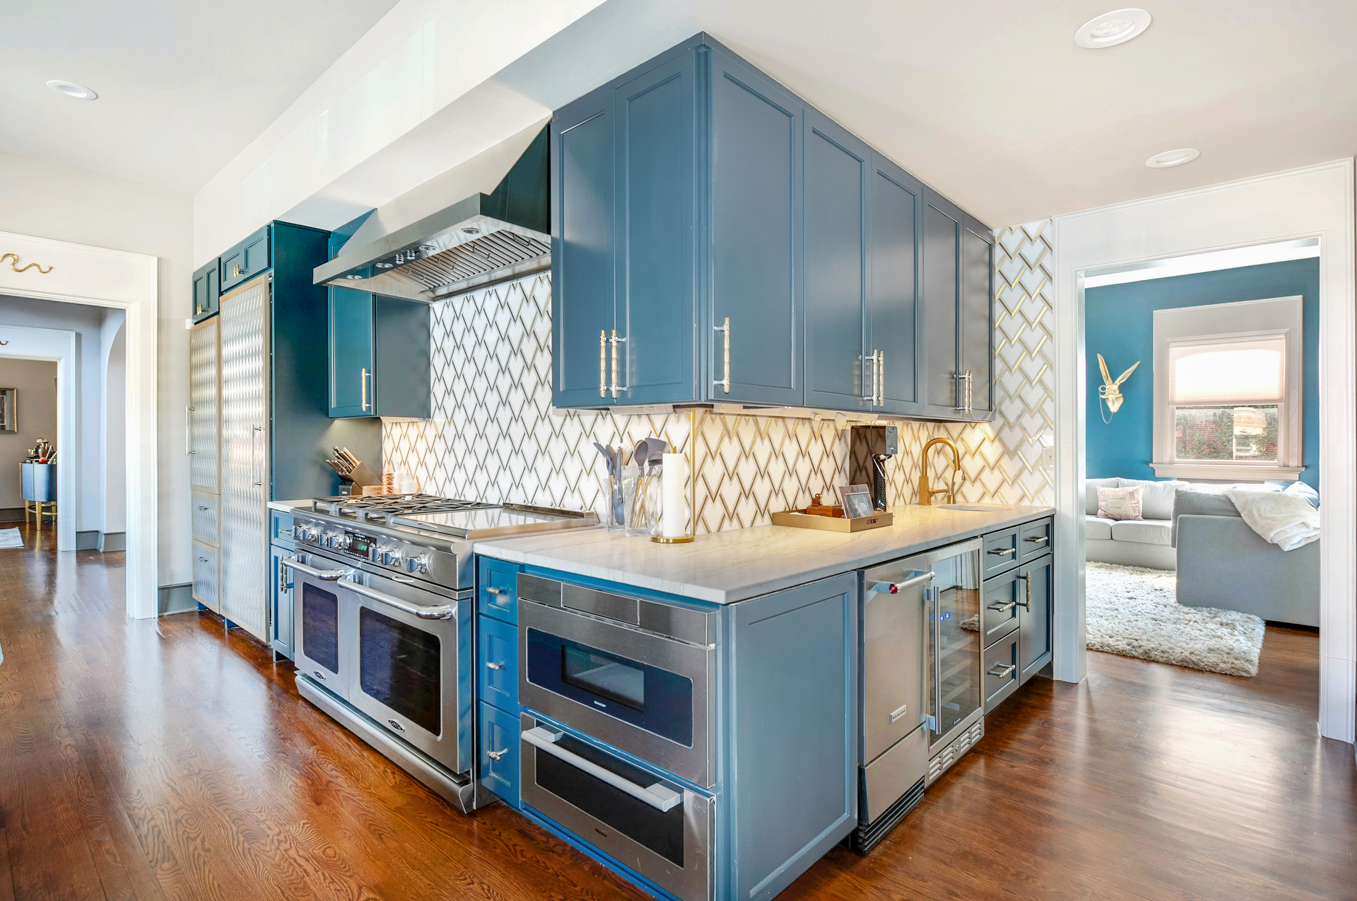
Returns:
point(1286, 521)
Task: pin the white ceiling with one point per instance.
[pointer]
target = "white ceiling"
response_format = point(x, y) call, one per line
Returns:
point(990, 101)
point(182, 85)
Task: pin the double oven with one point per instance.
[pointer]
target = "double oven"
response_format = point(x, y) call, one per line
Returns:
point(618, 732)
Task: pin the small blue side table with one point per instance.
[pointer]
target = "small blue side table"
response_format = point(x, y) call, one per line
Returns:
point(40, 490)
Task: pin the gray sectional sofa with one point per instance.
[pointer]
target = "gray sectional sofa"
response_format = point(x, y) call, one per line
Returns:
point(1144, 542)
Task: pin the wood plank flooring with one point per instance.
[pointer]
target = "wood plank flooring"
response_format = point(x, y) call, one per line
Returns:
point(166, 760)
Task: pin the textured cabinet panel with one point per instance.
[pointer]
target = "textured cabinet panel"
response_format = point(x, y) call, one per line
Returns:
point(244, 478)
point(583, 239)
point(206, 576)
point(754, 232)
point(835, 248)
point(204, 439)
point(205, 519)
point(896, 203)
point(656, 148)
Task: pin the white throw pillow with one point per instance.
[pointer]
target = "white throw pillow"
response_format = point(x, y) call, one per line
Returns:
point(1119, 503)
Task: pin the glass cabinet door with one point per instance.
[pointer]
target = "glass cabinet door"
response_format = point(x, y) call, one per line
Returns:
point(954, 647)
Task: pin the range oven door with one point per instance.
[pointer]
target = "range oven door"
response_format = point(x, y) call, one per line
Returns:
point(640, 818)
point(637, 691)
point(321, 613)
point(411, 670)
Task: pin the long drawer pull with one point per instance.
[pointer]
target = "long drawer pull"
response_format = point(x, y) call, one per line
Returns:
point(658, 796)
point(1005, 607)
point(493, 590)
point(1039, 539)
point(1027, 604)
point(440, 611)
point(1001, 670)
point(325, 575)
point(1003, 551)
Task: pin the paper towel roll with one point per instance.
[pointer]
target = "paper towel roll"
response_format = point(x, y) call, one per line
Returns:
point(673, 481)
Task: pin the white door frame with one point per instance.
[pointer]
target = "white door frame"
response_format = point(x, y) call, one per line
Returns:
point(56, 345)
point(1317, 201)
point(128, 281)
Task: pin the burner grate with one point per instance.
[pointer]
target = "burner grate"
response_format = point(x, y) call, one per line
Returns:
point(386, 505)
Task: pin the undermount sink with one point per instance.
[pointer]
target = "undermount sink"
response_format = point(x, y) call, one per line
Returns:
point(970, 508)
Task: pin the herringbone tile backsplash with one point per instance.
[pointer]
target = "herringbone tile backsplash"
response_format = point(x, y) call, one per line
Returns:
point(494, 435)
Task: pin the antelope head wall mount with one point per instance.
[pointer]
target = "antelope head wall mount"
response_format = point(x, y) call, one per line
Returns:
point(1110, 390)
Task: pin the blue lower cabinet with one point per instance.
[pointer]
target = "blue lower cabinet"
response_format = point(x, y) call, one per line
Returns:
point(497, 676)
point(499, 753)
point(281, 583)
point(497, 589)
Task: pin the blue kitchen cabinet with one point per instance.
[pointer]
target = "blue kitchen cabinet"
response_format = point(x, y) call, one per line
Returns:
point(380, 356)
point(281, 585)
point(499, 753)
point(754, 235)
point(247, 259)
point(896, 205)
point(497, 670)
point(206, 291)
point(975, 315)
point(840, 370)
point(497, 676)
point(623, 242)
point(497, 589)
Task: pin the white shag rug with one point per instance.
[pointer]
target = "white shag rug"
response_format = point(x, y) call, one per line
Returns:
point(10, 538)
point(1135, 612)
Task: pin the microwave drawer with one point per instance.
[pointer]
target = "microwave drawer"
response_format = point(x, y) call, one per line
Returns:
point(648, 695)
point(650, 823)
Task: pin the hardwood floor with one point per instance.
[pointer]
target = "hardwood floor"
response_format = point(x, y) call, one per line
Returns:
point(156, 760)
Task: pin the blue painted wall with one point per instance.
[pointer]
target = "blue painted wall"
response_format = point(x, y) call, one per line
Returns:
point(1119, 324)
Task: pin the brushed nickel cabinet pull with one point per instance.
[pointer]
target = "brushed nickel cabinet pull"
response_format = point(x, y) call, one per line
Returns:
point(881, 378)
point(602, 363)
point(188, 430)
point(365, 390)
point(490, 664)
point(1027, 604)
point(496, 755)
point(615, 387)
point(1003, 552)
point(1002, 671)
point(871, 398)
point(725, 382)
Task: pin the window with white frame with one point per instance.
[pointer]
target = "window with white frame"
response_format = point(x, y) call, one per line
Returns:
point(1227, 390)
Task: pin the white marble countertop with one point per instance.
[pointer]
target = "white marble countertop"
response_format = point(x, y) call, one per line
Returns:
point(732, 566)
point(289, 506)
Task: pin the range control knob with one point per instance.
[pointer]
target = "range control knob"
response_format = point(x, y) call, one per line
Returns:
point(419, 564)
point(392, 557)
point(309, 533)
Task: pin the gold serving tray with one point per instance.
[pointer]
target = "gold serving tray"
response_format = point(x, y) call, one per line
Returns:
point(798, 520)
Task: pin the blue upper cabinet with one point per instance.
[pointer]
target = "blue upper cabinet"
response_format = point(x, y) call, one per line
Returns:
point(896, 204)
point(754, 233)
point(379, 356)
point(352, 352)
point(583, 240)
point(206, 291)
point(840, 372)
point(247, 259)
point(716, 240)
point(656, 248)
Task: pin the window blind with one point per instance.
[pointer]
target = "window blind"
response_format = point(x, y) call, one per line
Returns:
point(1252, 370)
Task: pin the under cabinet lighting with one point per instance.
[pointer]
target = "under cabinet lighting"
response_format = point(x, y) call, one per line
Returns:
point(1111, 29)
point(72, 90)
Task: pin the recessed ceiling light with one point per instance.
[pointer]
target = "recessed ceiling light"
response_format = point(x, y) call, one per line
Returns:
point(1111, 29)
point(1170, 158)
point(71, 89)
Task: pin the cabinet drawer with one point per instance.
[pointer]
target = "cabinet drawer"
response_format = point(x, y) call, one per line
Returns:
point(1001, 671)
point(205, 576)
point(1034, 539)
point(497, 663)
point(1000, 552)
point(999, 613)
point(499, 753)
point(280, 529)
point(205, 519)
point(497, 594)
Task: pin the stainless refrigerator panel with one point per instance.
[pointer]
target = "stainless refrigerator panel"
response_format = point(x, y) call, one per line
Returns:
point(204, 354)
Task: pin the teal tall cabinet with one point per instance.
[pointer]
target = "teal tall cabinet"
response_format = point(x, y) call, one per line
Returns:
point(715, 239)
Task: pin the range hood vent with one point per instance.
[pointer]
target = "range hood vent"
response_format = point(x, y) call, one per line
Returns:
point(482, 240)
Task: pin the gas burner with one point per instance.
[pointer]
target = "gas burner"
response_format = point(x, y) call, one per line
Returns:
point(385, 506)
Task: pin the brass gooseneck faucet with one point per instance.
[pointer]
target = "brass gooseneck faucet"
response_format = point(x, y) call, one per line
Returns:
point(926, 492)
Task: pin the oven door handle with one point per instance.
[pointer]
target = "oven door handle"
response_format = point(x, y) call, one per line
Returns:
point(441, 611)
point(660, 797)
point(325, 575)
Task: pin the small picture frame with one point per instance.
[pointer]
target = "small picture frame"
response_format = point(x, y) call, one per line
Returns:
point(9, 409)
point(857, 501)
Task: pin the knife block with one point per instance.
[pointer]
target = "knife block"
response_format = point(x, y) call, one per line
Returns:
point(865, 442)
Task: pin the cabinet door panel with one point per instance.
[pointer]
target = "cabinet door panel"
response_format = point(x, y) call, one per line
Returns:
point(1034, 626)
point(656, 137)
point(835, 253)
point(977, 323)
point(351, 346)
point(896, 201)
point(755, 210)
point(583, 227)
point(941, 284)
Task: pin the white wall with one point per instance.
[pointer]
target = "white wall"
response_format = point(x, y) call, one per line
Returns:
point(37, 415)
point(112, 426)
point(68, 205)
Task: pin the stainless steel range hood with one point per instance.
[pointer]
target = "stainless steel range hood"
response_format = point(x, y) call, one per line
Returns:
point(479, 241)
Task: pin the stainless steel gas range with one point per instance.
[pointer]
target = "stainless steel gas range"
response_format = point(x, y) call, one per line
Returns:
point(384, 590)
